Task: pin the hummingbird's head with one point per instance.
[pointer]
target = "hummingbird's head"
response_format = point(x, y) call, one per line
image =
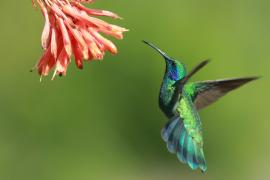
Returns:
point(174, 69)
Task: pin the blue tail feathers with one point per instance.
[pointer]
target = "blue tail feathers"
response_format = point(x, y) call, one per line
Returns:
point(179, 142)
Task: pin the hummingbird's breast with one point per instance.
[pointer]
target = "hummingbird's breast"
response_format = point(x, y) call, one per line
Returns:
point(165, 96)
point(174, 72)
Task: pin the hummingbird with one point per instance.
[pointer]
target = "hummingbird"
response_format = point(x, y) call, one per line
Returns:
point(181, 100)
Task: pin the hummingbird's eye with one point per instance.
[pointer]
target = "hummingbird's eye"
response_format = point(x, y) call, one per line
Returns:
point(174, 65)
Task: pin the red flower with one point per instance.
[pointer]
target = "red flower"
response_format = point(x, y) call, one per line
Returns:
point(70, 29)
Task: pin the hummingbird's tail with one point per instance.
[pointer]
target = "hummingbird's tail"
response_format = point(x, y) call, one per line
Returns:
point(181, 143)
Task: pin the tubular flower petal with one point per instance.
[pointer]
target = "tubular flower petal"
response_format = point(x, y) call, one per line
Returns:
point(71, 29)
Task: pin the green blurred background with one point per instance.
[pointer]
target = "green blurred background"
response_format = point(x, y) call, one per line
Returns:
point(104, 122)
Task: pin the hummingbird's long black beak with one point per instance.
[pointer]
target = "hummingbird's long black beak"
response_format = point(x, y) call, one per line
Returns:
point(158, 50)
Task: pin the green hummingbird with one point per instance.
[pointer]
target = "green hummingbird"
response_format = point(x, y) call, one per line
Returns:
point(180, 101)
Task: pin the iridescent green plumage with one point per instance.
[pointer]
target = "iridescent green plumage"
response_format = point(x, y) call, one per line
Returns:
point(180, 100)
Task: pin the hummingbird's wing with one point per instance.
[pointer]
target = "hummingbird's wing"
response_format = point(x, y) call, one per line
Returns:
point(180, 142)
point(206, 92)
